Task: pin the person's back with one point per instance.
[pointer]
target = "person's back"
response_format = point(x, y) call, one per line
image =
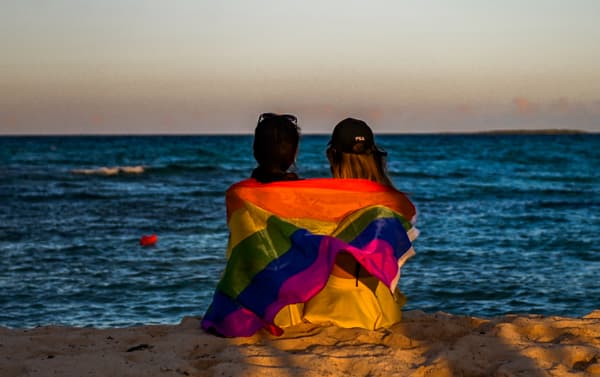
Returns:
point(275, 146)
point(352, 297)
point(285, 235)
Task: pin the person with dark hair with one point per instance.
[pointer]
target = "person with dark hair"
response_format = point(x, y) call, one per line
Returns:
point(275, 146)
point(321, 249)
point(276, 139)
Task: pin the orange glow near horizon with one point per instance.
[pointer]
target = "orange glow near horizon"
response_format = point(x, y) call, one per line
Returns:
point(469, 66)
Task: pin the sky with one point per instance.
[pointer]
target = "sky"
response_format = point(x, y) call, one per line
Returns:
point(195, 67)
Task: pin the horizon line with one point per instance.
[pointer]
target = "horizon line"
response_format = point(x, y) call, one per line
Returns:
point(547, 131)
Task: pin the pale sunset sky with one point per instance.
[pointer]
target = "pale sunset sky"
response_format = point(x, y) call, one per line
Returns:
point(193, 67)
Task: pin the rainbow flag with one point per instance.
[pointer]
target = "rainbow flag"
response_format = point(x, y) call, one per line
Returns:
point(284, 237)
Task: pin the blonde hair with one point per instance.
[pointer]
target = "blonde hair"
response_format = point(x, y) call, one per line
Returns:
point(370, 166)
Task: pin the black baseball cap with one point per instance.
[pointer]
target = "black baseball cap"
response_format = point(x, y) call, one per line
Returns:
point(354, 136)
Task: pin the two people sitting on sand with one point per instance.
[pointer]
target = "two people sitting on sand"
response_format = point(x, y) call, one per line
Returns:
point(317, 250)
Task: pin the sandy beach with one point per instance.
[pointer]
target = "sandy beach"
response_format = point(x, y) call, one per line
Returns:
point(424, 344)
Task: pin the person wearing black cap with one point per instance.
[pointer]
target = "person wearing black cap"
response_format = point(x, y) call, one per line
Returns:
point(352, 153)
point(276, 139)
point(353, 297)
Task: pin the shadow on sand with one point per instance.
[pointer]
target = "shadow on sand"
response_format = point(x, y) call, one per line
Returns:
point(435, 345)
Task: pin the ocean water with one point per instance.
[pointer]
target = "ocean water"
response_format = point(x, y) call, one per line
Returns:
point(509, 224)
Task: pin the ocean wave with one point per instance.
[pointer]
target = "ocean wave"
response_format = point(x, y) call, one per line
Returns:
point(111, 170)
point(168, 169)
point(40, 197)
point(567, 204)
point(183, 168)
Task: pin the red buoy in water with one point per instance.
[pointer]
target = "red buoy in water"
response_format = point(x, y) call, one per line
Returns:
point(148, 240)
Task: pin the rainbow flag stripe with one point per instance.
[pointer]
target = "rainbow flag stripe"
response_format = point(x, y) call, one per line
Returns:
point(284, 237)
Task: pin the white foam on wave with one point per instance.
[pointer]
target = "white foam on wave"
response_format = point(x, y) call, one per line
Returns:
point(111, 170)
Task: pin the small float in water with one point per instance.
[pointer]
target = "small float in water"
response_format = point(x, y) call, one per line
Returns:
point(148, 240)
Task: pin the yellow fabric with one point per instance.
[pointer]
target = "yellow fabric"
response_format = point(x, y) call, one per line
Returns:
point(289, 315)
point(370, 305)
point(344, 303)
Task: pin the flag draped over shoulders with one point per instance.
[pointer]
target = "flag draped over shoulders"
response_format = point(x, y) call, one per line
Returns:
point(284, 238)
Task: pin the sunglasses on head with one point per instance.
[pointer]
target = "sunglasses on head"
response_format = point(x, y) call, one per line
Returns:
point(288, 117)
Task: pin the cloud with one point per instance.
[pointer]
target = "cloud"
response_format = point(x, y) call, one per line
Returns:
point(524, 106)
point(376, 114)
point(464, 109)
point(562, 105)
point(97, 119)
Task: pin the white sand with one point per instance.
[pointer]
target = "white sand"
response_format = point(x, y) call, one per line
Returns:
point(422, 345)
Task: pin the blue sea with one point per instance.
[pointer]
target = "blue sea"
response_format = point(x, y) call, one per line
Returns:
point(509, 223)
